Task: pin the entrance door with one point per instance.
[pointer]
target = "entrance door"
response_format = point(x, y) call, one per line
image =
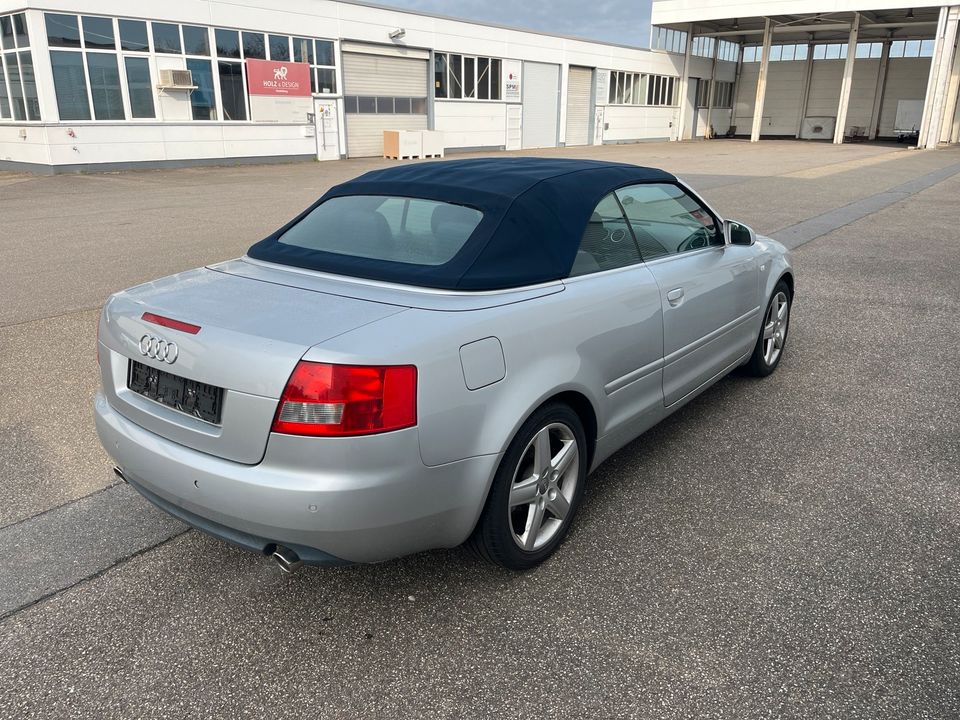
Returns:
point(541, 104)
point(327, 129)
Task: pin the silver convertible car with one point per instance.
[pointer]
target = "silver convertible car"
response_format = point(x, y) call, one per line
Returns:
point(433, 354)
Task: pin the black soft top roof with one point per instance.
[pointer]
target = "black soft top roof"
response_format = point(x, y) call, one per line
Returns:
point(534, 210)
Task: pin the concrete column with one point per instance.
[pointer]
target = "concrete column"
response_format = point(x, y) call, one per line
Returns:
point(710, 93)
point(762, 81)
point(938, 84)
point(685, 105)
point(874, 128)
point(847, 83)
point(951, 111)
point(805, 93)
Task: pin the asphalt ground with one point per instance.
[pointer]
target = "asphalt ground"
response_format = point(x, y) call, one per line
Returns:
point(778, 548)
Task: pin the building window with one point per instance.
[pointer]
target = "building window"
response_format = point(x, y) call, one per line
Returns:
point(674, 41)
point(365, 105)
point(280, 48)
point(166, 38)
point(702, 46)
point(911, 48)
point(18, 83)
point(139, 87)
point(466, 77)
point(232, 92)
point(661, 90)
point(203, 100)
point(627, 88)
point(99, 75)
point(105, 86)
point(254, 46)
point(70, 84)
point(133, 36)
point(196, 41)
point(723, 94)
point(727, 50)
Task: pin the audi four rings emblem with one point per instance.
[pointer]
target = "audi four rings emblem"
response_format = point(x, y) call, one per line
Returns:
point(159, 349)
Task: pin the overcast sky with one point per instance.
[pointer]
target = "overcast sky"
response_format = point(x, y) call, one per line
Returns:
point(620, 21)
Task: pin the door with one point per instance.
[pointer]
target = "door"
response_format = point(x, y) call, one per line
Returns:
point(514, 127)
point(541, 104)
point(327, 129)
point(382, 92)
point(709, 290)
point(579, 117)
point(598, 125)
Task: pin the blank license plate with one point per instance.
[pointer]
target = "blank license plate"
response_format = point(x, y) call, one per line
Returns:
point(188, 396)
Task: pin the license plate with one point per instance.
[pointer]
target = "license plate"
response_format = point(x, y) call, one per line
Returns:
point(188, 396)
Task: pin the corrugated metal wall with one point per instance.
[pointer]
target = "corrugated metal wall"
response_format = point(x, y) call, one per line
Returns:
point(579, 117)
point(377, 75)
point(541, 104)
point(906, 79)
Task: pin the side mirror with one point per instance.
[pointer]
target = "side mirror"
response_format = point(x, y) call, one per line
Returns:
point(738, 233)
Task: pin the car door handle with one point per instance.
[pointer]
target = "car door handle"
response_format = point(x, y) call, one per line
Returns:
point(675, 296)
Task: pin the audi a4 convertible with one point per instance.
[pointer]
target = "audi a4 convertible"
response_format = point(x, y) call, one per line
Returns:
point(433, 354)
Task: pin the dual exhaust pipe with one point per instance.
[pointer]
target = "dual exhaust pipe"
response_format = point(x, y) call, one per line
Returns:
point(287, 560)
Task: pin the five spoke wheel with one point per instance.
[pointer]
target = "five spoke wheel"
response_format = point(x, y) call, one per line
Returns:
point(775, 328)
point(543, 486)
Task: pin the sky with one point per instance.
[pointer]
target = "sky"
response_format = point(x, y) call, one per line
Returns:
point(619, 21)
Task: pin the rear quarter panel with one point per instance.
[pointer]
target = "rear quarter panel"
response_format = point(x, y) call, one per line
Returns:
point(594, 332)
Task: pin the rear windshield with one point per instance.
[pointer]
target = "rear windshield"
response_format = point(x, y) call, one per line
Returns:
point(392, 229)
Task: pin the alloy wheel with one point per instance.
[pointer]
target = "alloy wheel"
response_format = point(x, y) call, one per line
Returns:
point(775, 328)
point(544, 486)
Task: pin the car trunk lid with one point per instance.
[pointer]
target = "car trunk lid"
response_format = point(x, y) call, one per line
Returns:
point(251, 336)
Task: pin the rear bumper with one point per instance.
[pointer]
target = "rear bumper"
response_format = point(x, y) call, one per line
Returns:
point(333, 500)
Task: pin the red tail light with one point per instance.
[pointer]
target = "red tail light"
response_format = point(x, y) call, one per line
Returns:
point(337, 400)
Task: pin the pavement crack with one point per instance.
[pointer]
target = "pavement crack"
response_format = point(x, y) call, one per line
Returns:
point(94, 576)
point(62, 505)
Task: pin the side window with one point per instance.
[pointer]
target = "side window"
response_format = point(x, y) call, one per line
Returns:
point(607, 243)
point(667, 221)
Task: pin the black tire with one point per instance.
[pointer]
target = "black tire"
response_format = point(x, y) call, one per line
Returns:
point(493, 539)
point(758, 366)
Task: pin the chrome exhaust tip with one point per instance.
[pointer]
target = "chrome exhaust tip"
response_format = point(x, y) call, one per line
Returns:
point(288, 561)
point(119, 473)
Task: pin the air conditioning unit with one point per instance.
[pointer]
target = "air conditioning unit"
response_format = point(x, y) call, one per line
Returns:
point(176, 80)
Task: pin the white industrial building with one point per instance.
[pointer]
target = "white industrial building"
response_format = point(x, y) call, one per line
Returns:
point(108, 84)
point(831, 69)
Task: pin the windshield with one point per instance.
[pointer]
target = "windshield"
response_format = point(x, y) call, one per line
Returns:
point(392, 229)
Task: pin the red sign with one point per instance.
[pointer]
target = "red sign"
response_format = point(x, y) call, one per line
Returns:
point(266, 77)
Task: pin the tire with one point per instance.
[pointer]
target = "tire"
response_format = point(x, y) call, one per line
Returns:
point(511, 537)
point(765, 358)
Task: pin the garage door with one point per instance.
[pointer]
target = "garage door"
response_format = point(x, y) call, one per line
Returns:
point(579, 117)
point(382, 93)
point(541, 104)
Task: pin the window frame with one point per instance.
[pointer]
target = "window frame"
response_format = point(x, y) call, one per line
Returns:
point(16, 50)
point(457, 78)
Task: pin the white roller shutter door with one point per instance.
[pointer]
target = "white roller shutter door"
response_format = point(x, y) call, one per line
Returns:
point(579, 120)
point(541, 104)
point(368, 76)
